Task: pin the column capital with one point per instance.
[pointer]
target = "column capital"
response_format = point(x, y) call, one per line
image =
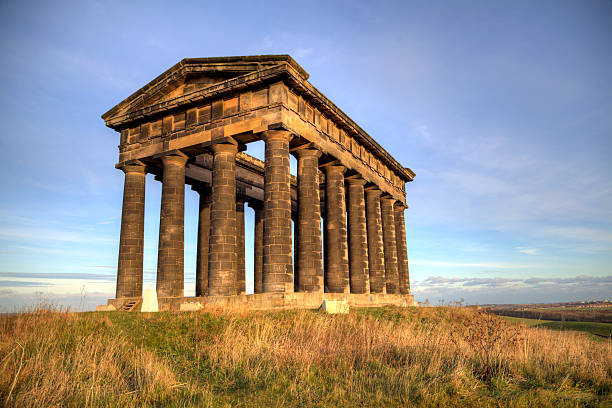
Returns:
point(133, 166)
point(356, 181)
point(174, 154)
point(373, 192)
point(224, 148)
point(399, 206)
point(276, 134)
point(307, 152)
point(388, 198)
point(334, 168)
point(174, 159)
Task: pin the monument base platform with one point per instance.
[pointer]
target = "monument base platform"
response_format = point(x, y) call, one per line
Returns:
point(266, 301)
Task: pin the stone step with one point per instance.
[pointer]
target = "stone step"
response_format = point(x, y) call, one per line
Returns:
point(128, 306)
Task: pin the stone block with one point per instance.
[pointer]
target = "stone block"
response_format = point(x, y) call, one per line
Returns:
point(105, 308)
point(190, 307)
point(335, 306)
point(230, 106)
point(204, 114)
point(260, 98)
point(149, 301)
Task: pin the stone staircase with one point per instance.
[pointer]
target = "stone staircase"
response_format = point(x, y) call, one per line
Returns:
point(129, 306)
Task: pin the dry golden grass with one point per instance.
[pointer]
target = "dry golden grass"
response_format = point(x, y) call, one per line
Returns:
point(371, 357)
point(53, 359)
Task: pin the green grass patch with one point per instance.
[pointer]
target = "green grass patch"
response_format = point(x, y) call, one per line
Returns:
point(598, 329)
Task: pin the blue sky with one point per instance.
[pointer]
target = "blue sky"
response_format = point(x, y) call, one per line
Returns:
point(502, 108)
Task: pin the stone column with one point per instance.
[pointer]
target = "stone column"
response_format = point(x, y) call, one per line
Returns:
point(170, 258)
point(376, 253)
point(222, 259)
point(277, 263)
point(241, 270)
point(129, 268)
point(308, 226)
point(336, 251)
point(258, 248)
point(359, 273)
point(203, 240)
point(296, 248)
point(388, 220)
point(402, 253)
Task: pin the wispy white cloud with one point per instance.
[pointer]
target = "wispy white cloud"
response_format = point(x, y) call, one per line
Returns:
point(52, 234)
point(513, 290)
point(423, 130)
point(59, 276)
point(23, 284)
point(578, 232)
point(468, 264)
point(528, 251)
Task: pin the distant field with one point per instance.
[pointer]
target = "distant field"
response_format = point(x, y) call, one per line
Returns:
point(600, 314)
point(576, 308)
point(599, 329)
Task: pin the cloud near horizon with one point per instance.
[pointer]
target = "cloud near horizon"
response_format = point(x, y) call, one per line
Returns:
point(513, 290)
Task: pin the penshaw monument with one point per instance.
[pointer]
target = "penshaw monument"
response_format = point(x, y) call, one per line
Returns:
point(191, 124)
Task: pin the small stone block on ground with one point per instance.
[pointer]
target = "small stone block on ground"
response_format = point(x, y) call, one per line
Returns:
point(149, 301)
point(335, 306)
point(190, 307)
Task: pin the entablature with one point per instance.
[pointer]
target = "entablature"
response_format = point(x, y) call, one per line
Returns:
point(275, 96)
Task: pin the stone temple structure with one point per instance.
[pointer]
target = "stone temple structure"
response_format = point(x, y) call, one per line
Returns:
point(191, 124)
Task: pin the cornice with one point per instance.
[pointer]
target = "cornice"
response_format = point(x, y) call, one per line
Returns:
point(190, 66)
point(288, 70)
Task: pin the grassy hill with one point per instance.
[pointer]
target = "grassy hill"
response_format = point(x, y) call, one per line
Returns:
point(372, 357)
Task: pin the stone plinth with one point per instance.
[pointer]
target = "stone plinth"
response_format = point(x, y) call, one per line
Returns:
point(268, 301)
point(149, 301)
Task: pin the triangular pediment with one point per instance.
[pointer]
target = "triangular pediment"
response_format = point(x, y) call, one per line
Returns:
point(194, 74)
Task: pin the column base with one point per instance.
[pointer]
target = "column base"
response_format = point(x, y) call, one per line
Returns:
point(268, 301)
